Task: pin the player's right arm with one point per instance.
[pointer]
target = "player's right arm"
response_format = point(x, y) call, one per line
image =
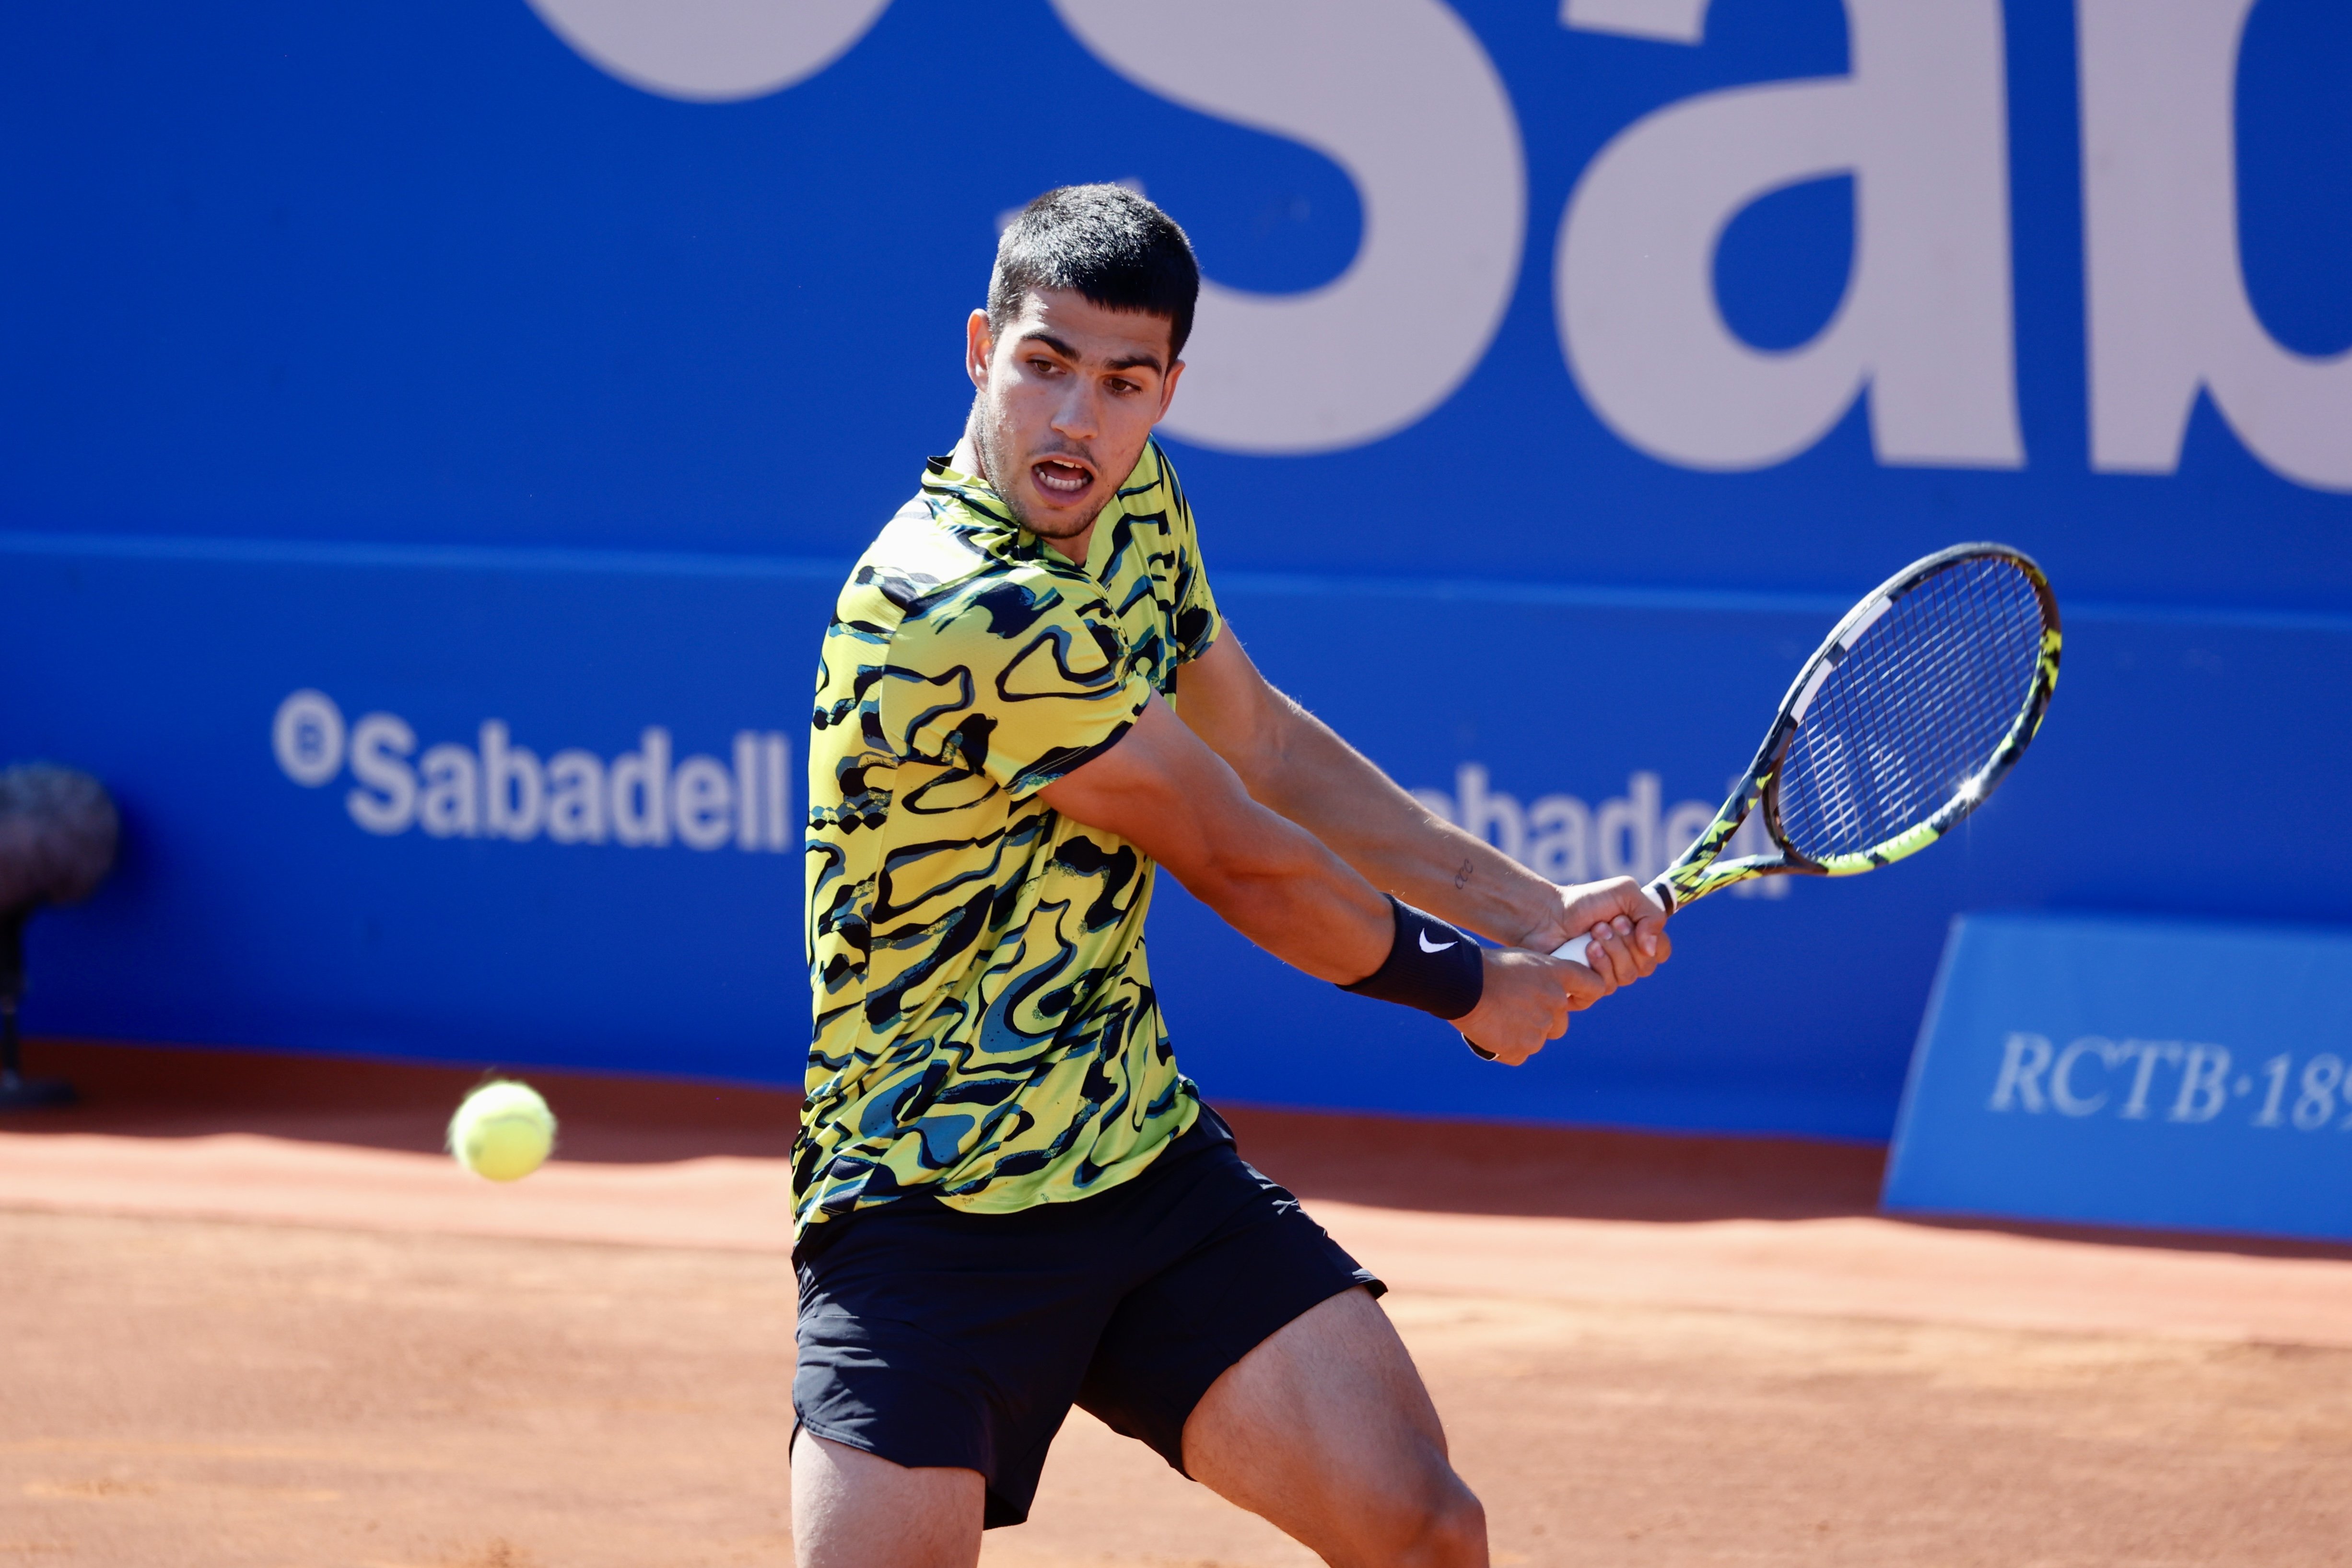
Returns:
point(1296, 765)
point(1163, 789)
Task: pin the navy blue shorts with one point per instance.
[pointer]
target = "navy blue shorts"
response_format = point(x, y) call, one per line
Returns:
point(932, 1337)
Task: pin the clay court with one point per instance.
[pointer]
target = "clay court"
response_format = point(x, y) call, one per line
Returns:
point(255, 1317)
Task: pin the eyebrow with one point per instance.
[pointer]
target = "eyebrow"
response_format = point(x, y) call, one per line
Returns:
point(1128, 361)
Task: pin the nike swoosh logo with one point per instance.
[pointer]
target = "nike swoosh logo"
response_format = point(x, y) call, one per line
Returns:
point(1427, 946)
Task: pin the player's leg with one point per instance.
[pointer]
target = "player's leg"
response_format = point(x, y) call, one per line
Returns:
point(938, 1354)
point(1326, 1431)
point(854, 1510)
point(1255, 1359)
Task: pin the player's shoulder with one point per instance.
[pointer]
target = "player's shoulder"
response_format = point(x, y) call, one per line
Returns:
point(1153, 492)
point(912, 564)
point(1149, 525)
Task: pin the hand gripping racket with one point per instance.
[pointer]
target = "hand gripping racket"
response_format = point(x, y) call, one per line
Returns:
point(1919, 703)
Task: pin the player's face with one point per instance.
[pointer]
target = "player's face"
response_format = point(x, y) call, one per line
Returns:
point(1067, 397)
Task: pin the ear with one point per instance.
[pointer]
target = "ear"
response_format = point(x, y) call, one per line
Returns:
point(979, 344)
point(1167, 390)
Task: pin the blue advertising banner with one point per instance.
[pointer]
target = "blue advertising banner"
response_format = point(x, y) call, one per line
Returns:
point(2178, 1076)
point(431, 435)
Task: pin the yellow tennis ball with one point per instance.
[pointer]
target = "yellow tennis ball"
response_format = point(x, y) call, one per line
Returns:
point(503, 1131)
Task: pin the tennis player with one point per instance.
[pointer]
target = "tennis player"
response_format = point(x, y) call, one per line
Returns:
point(1008, 1198)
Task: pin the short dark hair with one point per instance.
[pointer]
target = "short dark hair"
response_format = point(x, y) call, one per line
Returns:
point(1104, 242)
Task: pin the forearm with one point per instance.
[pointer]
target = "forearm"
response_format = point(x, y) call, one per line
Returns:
point(1311, 776)
point(1287, 892)
point(1183, 801)
point(1163, 791)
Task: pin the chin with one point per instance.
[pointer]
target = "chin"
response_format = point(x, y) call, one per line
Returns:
point(1060, 524)
point(1057, 519)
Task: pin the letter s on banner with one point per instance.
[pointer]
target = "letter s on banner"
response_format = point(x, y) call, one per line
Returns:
point(2168, 289)
point(1922, 122)
point(1667, 21)
point(711, 51)
point(385, 800)
point(1399, 94)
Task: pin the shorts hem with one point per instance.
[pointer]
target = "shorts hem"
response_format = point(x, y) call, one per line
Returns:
point(996, 1512)
point(1365, 1280)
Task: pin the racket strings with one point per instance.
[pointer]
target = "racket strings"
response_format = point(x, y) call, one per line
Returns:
point(1921, 708)
point(1915, 710)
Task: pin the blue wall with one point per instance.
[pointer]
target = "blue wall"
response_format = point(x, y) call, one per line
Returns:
point(411, 356)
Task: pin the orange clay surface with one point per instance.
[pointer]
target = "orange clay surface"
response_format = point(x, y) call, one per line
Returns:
point(251, 1316)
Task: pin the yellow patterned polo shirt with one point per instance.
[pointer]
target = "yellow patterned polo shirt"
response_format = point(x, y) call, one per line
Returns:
point(986, 1031)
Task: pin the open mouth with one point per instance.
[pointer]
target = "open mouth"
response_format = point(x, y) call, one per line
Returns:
point(1058, 478)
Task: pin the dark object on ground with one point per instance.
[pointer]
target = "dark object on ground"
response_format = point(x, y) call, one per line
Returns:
point(58, 832)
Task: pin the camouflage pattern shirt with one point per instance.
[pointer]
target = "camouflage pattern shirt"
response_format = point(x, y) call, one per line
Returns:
point(985, 1030)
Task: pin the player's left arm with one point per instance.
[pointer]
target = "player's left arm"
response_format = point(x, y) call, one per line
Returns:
point(1294, 765)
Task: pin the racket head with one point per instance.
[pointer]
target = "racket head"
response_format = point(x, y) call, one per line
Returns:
point(1908, 715)
point(1915, 708)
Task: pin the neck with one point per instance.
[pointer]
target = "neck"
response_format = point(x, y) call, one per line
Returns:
point(966, 459)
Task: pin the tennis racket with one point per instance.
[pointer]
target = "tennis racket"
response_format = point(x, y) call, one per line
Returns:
point(1916, 707)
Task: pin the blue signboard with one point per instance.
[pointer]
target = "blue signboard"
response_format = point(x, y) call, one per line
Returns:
point(430, 435)
point(2167, 1074)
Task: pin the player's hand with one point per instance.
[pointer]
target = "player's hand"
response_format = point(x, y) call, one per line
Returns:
point(1527, 1001)
point(1627, 927)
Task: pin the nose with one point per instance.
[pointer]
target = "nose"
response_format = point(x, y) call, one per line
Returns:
point(1078, 413)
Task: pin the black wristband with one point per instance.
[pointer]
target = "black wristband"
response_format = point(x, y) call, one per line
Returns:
point(1430, 965)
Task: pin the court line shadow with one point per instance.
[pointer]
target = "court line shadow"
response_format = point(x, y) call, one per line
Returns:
point(1573, 1173)
point(1380, 1162)
point(1490, 1168)
point(175, 1091)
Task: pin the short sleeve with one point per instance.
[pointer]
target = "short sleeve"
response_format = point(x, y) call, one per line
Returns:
point(1010, 681)
point(1197, 620)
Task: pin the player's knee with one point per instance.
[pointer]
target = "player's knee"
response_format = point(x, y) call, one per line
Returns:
point(1457, 1531)
point(1444, 1526)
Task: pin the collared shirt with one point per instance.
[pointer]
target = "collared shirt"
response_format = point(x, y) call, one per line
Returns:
point(985, 1029)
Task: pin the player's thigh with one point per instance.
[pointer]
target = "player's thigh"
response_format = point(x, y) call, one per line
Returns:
point(1325, 1430)
point(854, 1510)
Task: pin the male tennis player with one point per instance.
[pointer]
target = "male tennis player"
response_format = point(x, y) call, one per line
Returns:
point(1009, 1200)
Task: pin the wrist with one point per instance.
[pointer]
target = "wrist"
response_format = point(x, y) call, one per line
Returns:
point(1430, 965)
point(1495, 895)
point(1527, 909)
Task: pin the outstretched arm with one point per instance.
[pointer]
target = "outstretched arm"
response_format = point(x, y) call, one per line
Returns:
point(1164, 790)
point(1292, 763)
